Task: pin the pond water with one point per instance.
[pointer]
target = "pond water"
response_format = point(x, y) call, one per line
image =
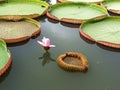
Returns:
point(34, 69)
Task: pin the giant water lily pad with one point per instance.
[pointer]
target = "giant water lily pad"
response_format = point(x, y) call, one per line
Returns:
point(16, 9)
point(105, 31)
point(74, 12)
point(87, 1)
point(112, 6)
point(18, 31)
point(5, 57)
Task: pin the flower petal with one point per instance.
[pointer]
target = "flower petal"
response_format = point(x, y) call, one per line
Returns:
point(52, 46)
point(43, 39)
point(41, 43)
point(47, 42)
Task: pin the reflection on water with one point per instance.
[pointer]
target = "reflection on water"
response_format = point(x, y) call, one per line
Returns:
point(71, 25)
point(108, 48)
point(86, 40)
point(18, 43)
point(100, 45)
point(4, 76)
point(46, 58)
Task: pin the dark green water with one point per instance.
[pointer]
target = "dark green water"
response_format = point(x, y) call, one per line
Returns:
point(33, 69)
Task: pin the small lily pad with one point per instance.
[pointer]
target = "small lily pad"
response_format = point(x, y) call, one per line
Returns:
point(112, 6)
point(87, 1)
point(12, 32)
point(105, 31)
point(5, 57)
point(76, 12)
point(73, 61)
point(17, 9)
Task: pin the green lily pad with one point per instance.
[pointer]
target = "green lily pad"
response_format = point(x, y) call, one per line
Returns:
point(87, 1)
point(13, 32)
point(76, 12)
point(17, 9)
point(112, 6)
point(105, 31)
point(5, 57)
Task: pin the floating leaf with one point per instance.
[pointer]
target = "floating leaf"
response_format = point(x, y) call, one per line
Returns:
point(5, 57)
point(18, 31)
point(112, 6)
point(105, 31)
point(77, 13)
point(73, 61)
point(17, 9)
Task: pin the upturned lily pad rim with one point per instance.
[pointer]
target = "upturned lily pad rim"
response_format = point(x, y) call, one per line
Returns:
point(24, 0)
point(9, 62)
point(15, 40)
point(115, 11)
point(15, 17)
point(96, 2)
point(75, 21)
point(70, 67)
point(5, 68)
point(25, 19)
point(105, 43)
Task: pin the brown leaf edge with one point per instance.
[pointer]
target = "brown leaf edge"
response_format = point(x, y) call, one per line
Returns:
point(22, 38)
point(86, 36)
point(113, 45)
point(4, 69)
point(73, 21)
point(114, 11)
point(52, 16)
point(110, 10)
point(70, 67)
point(85, 2)
point(18, 17)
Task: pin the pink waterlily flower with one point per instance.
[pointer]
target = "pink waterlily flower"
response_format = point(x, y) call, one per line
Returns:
point(45, 43)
